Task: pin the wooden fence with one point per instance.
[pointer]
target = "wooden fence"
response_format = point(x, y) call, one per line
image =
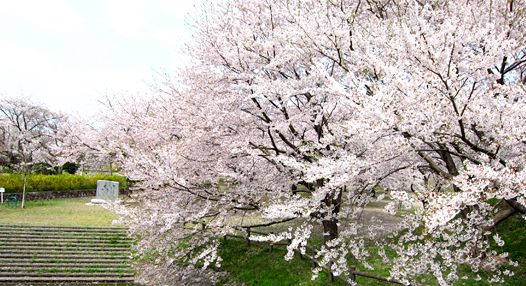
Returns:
point(352, 272)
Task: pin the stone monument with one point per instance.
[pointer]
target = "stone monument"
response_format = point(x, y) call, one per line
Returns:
point(107, 191)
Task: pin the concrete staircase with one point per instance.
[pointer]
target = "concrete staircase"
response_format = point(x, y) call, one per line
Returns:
point(61, 255)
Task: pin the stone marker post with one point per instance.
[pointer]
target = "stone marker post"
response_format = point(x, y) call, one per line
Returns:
point(107, 191)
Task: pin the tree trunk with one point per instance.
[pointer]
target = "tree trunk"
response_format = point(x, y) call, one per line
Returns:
point(330, 226)
point(517, 206)
point(24, 188)
point(332, 202)
point(505, 210)
point(330, 230)
point(500, 216)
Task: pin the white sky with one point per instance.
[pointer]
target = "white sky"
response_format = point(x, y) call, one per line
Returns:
point(66, 52)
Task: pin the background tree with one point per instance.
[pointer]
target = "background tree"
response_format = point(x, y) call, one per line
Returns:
point(94, 143)
point(28, 131)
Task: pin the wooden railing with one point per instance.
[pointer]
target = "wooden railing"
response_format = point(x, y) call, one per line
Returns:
point(352, 271)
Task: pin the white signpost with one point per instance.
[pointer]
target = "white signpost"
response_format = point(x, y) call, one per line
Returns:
point(2, 190)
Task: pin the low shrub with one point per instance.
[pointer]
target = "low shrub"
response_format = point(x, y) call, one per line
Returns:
point(13, 183)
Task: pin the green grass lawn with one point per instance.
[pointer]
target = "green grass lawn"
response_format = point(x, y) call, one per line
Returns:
point(63, 212)
point(257, 266)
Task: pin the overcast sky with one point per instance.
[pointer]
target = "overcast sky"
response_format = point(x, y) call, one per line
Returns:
point(65, 52)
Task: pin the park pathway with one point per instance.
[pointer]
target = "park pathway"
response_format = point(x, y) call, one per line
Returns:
point(63, 255)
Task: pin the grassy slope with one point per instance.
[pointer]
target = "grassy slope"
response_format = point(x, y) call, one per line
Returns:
point(66, 212)
point(256, 266)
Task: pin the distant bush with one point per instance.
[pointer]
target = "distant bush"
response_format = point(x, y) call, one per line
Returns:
point(70, 167)
point(36, 183)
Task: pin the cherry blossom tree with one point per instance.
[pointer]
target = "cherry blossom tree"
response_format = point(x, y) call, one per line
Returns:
point(28, 132)
point(308, 108)
point(88, 142)
point(447, 79)
point(445, 85)
point(96, 142)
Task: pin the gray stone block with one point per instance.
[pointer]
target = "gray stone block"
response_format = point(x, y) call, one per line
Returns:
point(107, 190)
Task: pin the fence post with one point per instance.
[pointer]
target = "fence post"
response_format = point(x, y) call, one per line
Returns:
point(313, 256)
point(128, 187)
point(271, 244)
point(351, 273)
point(331, 276)
point(248, 237)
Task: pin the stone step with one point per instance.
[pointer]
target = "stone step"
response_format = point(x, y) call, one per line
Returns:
point(6, 230)
point(65, 274)
point(14, 244)
point(67, 279)
point(64, 241)
point(62, 256)
point(58, 260)
point(51, 248)
point(39, 229)
point(101, 251)
point(65, 228)
point(64, 265)
point(64, 237)
point(49, 269)
point(59, 255)
point(58, 236)
point(63, 246)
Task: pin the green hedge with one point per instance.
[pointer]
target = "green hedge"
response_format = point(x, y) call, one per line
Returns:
point(13, 183)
